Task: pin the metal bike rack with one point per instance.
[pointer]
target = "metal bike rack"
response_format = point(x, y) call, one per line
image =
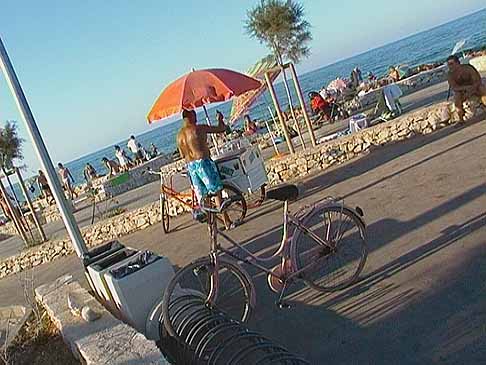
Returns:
point(209, 337)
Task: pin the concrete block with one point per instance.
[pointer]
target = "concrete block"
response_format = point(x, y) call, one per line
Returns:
point(104, 341)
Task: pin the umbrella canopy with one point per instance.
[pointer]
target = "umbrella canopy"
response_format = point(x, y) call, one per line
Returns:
point(242, 104)
point(198, 88)
point(338, 85)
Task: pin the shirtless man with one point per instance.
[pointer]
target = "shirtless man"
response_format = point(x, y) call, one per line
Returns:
point(44, 187)
point(67, 181)
point(465, 81)
point(193, 147)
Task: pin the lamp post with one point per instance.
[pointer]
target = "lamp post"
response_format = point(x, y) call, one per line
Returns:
point(41, 151)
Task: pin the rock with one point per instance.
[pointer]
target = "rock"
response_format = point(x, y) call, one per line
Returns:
point(424, 124)
point(74, 305)
point(383, 135)
point(89, 315)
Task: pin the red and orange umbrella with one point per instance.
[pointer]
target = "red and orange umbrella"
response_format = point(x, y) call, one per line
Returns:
point(199, 88)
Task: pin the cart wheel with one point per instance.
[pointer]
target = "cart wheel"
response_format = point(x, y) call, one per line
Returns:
point(237, 210)
point(164, 210)
point(263, 192)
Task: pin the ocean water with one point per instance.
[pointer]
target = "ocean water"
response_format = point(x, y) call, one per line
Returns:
point(433, 45)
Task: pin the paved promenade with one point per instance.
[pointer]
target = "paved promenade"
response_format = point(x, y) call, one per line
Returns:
point(422, 296)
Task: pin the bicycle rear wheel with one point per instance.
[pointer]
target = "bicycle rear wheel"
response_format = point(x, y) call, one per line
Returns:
point(334, 267)
point(164, 212)
point(189, 289)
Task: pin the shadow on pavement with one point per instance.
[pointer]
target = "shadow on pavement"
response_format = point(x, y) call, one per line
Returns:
point(381, 156)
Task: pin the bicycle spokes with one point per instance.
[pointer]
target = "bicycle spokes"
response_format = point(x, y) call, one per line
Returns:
point(338, 261)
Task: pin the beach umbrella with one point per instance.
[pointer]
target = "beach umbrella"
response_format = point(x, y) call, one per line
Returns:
point(243, 103)
point(198, 88)
point(338, 84)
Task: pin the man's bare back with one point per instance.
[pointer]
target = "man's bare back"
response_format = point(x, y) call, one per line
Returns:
point(193, 143)
point(192, 138)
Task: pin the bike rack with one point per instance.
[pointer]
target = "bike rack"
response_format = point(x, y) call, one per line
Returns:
point(208, 337)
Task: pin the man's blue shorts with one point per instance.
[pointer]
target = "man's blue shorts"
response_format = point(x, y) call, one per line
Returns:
point(204, 177)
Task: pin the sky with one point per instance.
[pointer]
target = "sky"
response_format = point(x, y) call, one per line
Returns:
point(92, 69)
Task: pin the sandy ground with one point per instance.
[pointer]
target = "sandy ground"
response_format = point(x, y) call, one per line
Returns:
point(422, 295)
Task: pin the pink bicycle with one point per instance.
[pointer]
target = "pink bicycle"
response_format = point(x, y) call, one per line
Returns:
point(323, 244)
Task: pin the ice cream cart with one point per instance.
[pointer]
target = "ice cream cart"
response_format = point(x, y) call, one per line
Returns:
point(241, 165)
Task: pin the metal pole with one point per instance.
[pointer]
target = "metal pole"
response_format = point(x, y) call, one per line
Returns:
point(29, 203)
point(287, 90)
point(302, 104)
point(270, 131)
point(213, 137)
point(14, 217)
point(41, 151)
point(279, 114)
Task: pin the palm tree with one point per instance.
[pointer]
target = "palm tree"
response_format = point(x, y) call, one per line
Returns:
point(280, 25)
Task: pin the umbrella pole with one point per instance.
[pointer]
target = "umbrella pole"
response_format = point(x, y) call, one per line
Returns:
point(279, 113)
point(213, 137)
point(302, 104)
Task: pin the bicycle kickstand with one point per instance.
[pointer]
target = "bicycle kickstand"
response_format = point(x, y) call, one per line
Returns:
point(280, 302)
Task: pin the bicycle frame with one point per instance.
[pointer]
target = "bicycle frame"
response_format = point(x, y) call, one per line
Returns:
point(169, 192)
point(287, 263)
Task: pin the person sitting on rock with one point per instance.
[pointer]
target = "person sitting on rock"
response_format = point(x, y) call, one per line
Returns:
point(465, 81)
point(112, 166)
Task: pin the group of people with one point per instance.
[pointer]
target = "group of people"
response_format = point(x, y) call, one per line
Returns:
point(125, 162)
point(67, 182)
point(122, 163)
point(325, 106)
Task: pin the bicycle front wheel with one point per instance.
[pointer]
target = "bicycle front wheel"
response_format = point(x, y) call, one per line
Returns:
point(188, 292)
point(336, 264)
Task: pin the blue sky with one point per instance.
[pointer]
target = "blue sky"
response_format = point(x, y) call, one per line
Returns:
point(92, 69)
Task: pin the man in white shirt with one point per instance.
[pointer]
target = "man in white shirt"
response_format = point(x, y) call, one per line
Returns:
point(133, 147)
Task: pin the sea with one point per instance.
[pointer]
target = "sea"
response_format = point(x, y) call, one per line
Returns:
point(433, 45)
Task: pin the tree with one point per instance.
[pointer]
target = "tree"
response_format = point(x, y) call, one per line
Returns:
point(280, 25)
point(10, 146)
point(10, 150)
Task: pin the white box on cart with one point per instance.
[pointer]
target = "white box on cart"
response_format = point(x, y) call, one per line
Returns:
point(243, 169)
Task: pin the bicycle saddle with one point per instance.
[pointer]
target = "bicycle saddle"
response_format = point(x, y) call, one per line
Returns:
point(283, 193)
